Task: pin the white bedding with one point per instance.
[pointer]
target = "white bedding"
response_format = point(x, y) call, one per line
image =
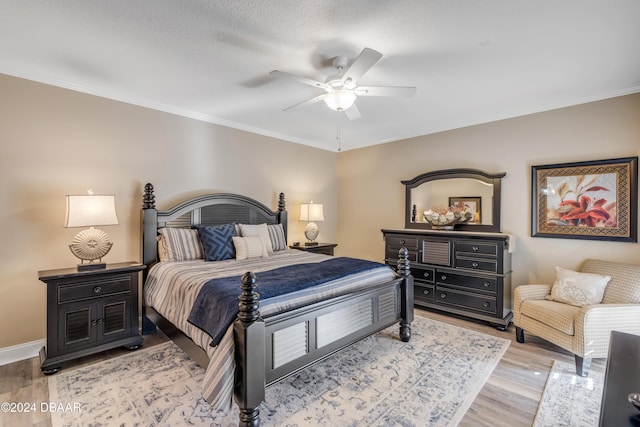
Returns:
point(172, 287)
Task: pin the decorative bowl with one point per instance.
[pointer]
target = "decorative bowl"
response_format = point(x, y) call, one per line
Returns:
point(446, 220)
point(634, 399)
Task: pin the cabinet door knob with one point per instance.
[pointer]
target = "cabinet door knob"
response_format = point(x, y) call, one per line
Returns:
point(475, 248)
point(97, 289)
point(474, 264)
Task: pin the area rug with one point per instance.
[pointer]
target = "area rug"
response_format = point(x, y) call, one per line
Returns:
point(379, 381)
point(568, 399)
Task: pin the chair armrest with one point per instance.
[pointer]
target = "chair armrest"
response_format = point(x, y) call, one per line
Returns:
point(594, 323)
point(525, 292)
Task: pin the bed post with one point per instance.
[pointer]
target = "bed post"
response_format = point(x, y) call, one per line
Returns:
point(248, 331)
point(406, 303)
point(283, 214)
point(149, 246)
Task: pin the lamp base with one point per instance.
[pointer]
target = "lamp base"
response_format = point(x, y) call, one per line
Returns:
point(311, 243)
point(92, 266)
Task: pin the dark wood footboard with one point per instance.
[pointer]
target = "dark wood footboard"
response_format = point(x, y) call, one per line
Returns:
point(258, 351)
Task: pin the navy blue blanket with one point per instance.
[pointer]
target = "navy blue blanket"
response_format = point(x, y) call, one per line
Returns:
point(216, 305)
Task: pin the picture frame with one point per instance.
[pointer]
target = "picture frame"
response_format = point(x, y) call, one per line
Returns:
point(471, 204)
point(594, 200)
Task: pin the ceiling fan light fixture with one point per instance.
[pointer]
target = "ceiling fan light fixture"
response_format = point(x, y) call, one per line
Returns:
point(340, 100)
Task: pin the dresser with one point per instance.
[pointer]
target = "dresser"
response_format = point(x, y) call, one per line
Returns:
point(464, 273)
point(90, 311)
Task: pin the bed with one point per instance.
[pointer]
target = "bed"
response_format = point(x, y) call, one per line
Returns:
point(267, 339)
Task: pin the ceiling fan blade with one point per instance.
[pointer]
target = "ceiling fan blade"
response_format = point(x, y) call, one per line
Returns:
point(361, 65)
point(307, 102)
point(301, 79)
point(406, 92)
point(352, 113)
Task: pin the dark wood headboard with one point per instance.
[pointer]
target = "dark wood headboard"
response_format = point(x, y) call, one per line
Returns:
point(209, 209)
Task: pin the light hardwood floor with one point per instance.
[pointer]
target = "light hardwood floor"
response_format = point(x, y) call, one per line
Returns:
point(509, 398)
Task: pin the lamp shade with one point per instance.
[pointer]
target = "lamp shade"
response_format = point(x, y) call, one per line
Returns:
point(311, 212)
point(340, 100)
point(90, 210)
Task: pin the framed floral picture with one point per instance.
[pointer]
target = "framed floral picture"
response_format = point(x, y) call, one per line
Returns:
point(594, 200)
point(468, 204)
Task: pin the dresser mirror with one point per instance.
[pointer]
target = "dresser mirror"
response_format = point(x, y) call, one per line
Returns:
point(478, 191)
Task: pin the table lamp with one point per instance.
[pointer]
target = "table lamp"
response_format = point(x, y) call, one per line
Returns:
point(92, 244)
point(311, 212)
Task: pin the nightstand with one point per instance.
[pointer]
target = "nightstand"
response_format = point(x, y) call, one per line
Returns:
point(320, 248)
point(89, 312)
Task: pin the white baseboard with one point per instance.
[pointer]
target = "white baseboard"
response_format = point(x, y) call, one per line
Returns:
point(19, 352)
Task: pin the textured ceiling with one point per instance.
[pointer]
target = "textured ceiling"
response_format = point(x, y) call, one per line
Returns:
point(472, 61)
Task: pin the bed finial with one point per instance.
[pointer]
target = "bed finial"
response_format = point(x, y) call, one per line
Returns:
point(249, 299)
point(281, 204)
point(148, 200)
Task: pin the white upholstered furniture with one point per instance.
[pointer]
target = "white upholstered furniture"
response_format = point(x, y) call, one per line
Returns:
point(584, 331)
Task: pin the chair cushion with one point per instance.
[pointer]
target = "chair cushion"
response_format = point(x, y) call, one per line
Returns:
point(556, 315)
point(624, 286)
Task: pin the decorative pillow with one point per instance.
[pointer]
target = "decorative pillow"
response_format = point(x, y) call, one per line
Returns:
point(276, 235)
point(578, 289)
point(257, 230)
point(249, 247)
point(216, 241)
point(179, 244)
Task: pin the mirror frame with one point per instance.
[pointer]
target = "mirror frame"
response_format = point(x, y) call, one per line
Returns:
point(495, 179)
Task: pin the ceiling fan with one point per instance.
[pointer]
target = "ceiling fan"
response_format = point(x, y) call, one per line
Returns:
point(342, 90)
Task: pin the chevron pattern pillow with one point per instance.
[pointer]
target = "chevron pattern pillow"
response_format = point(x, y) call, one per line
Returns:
point(217, 241)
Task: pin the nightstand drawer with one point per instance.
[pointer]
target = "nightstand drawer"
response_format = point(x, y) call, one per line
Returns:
point(93, 289)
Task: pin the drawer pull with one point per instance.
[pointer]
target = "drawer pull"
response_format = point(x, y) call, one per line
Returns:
point(486, 284)
point(486, 305)
point(443, 277)
point(97, 289)
point(426, 292)
point(426, 274)
point(475, 248)
point(443, 296)
point(474, 264)
point(402, 242)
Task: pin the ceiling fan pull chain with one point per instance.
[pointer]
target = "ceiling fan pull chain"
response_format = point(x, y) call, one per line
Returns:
point(338, 136)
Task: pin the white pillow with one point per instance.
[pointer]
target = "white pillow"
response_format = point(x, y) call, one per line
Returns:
point(572, 287)
point(257, 230)
point(249, 247)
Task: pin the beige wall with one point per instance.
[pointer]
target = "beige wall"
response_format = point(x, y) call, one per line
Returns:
point(371, 197)
point(57, 142)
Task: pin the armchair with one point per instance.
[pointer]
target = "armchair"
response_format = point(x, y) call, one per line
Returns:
point(584, 331)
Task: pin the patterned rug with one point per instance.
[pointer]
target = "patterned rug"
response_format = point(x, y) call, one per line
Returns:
point(379, 381)
point(570, 400)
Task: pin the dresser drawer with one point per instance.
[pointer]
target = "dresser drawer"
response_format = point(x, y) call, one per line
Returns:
point(476, 247)
point(97, 288)
point(392, 255)
point(423, 274)
point(486, 304)
point(470, 282)
point(424, 292)
point(477, 264)
point(403, 241)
